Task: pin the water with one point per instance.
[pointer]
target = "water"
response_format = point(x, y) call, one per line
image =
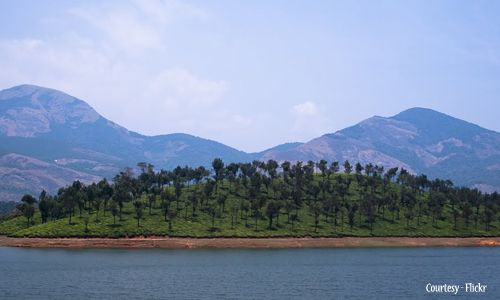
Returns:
point(362, 273)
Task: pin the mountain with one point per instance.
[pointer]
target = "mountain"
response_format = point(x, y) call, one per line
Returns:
point(420, 140)
point(49, 138)
point(66, 139)
point(282, 147)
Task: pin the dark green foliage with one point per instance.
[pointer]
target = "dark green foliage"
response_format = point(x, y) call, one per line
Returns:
point(327, 204)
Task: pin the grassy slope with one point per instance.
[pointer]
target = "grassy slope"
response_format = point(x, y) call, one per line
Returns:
point(199, 225)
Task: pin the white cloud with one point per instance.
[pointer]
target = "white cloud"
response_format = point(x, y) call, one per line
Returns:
point(309, 121)
point(181, 88)
point(306, 109)
point(124, 29)
point(241, 121)
point(119, 63)
point(163, 11)
point(135, 91)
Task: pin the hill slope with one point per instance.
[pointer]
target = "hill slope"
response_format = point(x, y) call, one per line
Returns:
point(420, 140)
point(64, 132)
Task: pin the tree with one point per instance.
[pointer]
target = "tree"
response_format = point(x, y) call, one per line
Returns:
point(233, 210)
point(272, 167)
point(152, 200)
point(178, 192)
point(409, 214)
point(80, 201)
point(294, 218)
point(45, 206)
point(212, 212)
point(257, 214)
point(165, 207)
point(272, 209)
point(186, 206)
point(351, 216)
point(321, 165)
point(221, 200)
point(334, 168)
point(315, 209)
point(86, 221)
point(467, 211)
point(289, 207)
point(29, 199)
point(171, 216)
point(359, 168)
point(456, 215)
point(343, 213)
point(347, 167)
point(121, 195)
point(27, 210)
point(138, 210)
point(97, 205)
point(245, 207)
point(193, 199)
point(487, 217)
point(114, 211)
point(218, 166)
point(286, 170)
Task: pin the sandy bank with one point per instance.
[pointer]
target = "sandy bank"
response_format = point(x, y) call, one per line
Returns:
point(244, 243)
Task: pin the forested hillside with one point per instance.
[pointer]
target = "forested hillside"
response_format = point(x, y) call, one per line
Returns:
point(260, 200)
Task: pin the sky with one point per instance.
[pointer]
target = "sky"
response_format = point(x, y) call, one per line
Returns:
point(255, 74)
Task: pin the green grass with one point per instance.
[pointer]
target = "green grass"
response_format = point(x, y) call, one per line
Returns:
point(200, 225)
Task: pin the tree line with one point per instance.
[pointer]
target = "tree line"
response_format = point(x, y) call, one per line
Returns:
point(333, 192)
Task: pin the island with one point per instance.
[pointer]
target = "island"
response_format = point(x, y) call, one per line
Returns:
point(257, 205)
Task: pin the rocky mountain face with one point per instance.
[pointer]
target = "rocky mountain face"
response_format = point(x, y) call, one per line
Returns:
point(49, 139)
point(65, 139)
point(420, 140)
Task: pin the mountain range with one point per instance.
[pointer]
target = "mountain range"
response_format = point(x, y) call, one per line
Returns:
point(49, 138)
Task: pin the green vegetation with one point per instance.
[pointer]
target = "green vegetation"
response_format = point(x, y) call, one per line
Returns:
point(260, 200)
point(6, 208)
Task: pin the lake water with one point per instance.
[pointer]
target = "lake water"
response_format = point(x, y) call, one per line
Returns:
point(362, 273)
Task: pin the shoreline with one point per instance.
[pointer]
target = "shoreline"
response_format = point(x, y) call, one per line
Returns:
point(246, 243)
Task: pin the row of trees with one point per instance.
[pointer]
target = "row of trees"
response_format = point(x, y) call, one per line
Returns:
point(361, 196)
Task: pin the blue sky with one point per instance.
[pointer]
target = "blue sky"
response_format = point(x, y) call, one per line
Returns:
point(254, 74)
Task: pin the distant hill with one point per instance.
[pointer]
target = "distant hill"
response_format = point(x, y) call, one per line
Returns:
point(65, 133)
point(49, 138)
point(420, 140)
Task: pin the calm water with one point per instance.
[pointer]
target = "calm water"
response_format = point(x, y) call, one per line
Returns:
point(375, 273)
